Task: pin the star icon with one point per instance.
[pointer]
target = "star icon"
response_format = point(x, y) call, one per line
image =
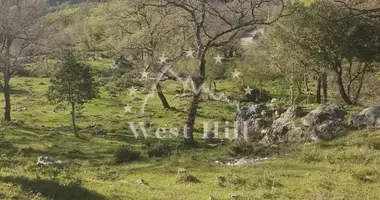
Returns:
point(132, 91)
point(127, 109)
point(163, 59)
point(190, 53)
point(248, 90)
point(218, 59)
point(144, 74)
point(236, 74)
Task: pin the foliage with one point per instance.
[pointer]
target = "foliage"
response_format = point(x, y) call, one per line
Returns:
point(73, 83)
point(324, 37)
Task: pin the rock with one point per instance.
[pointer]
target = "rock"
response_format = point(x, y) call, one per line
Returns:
point(294, 111)
point(141, 181)
point(182, 171)
point(367, 118)
point(322, 113)
point(325, 122)
point(19, 108)
point(283, 130)
point(44, 160)
point(274, 101)
point(251, 118)
point(278, 112)
point(233, 196)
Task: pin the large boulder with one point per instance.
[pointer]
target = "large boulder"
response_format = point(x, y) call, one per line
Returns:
point(367, 118)
point(325, 112)
point(283, 130)
point(251, 118)
point(325, 122)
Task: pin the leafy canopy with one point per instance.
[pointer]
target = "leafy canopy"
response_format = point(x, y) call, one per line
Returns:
point(73, 82)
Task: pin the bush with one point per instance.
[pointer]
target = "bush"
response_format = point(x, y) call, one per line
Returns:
point(126, 154)
point(159, 150)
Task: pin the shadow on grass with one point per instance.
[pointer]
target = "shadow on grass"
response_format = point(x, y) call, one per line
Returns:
point(53, 190)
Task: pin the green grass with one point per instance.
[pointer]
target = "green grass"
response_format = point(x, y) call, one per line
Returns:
point(345, 168)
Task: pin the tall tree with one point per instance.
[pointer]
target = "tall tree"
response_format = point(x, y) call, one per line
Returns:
point(214, 24)
point(22, 26)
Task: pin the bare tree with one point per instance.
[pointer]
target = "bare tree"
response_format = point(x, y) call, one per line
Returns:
point(214, 24)
point(21, 28)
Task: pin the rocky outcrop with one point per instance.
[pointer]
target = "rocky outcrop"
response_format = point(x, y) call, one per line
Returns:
point(367, 118)
point(252, 118)
point(294, 111)
point(323, 123)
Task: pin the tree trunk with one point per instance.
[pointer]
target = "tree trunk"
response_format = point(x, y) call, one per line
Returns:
point(324, 86)
point(193, 108)
point(189, 136)
point(319, 88)
point(162, 97)
point(357, 95)
point(7, 97)
point(192, 112)
point(73, 119)
point(342, 91)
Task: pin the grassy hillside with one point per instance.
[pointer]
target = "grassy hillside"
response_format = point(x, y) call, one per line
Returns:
point(345, 168)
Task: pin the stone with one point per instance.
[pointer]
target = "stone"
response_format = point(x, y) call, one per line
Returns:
point(367, 118)
point(45, 160)
point(182, 171)
point(322, 113)
point(325, 122)
point(252, 118)
point(141, 181)
point(283, 130)
point(19, 108)
point(294, 111)
point(233, 196)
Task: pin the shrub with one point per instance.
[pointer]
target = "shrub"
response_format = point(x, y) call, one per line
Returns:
point(125, 154)
point(159, 150)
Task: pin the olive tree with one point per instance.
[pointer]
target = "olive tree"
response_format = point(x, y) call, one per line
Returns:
point(22, 27)
point(213, 24)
